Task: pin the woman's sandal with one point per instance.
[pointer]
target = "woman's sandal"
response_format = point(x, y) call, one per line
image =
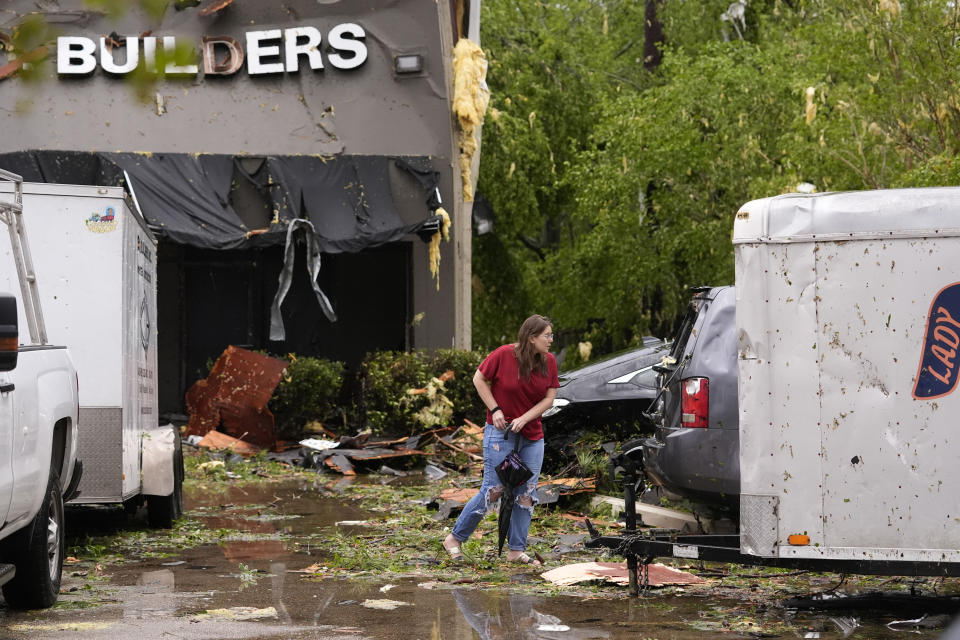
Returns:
point(523, 558)
point(456, 555)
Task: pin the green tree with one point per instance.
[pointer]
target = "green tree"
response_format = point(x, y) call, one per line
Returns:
point(550, 65)
point(630, 185)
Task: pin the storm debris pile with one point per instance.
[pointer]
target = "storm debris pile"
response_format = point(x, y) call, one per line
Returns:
point(229, 415)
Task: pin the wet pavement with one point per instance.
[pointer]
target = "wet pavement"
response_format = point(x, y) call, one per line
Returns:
point(252, 584)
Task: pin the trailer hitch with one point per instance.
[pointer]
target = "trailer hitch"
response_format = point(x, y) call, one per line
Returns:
point(628, 461)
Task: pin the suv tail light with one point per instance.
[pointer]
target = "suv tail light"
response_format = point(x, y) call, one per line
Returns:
point(695, 402)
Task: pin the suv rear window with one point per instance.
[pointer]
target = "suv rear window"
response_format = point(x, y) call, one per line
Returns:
point(686, 327)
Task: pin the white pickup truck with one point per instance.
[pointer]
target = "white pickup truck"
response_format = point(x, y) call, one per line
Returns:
point(39, 407)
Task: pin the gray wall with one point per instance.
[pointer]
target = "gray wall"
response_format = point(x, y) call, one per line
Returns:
point(367, 110)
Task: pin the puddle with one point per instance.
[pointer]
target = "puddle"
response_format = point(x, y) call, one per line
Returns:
point(211, 601)
point(254, 587)
point(289, 508)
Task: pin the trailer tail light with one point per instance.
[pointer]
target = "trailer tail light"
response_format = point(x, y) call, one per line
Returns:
point(695, 402)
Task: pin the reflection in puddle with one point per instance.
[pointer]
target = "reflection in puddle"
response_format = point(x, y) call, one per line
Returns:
point(517, 616)
point(420, 607)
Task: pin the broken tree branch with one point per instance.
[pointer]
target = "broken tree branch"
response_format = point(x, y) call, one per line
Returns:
point(472, 456)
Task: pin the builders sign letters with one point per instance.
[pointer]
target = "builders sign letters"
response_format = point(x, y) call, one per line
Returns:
point(264, 52)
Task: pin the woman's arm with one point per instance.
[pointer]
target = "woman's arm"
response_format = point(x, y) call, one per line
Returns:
point(535, 411)
point(486, 394)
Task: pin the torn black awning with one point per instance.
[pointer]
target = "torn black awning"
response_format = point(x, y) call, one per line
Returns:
point(186, 197)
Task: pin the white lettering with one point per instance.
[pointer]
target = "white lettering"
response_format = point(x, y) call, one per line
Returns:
point(267, 52)
point(150, 53)
point(171, 54)
point(76, 55)
point(339, 40)
point(311, 48)
point(257, 51)
point(131, 54)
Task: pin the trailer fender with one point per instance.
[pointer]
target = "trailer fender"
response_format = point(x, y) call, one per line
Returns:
point(157, 474)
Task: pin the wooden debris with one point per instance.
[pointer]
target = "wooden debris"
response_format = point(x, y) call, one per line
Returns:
point(221, 441)
point(616, 572)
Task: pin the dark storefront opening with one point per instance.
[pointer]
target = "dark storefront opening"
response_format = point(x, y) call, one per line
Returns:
point(209, 299)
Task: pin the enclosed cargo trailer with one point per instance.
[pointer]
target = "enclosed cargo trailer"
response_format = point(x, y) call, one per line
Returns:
point(96, 259)
point(848, 325)
point(847, 317)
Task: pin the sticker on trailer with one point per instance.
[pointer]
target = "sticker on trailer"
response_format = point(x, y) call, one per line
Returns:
point(102, 223)
point(686, 551)
point(937, 373)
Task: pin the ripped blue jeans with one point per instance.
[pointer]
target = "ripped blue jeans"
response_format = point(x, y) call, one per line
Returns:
point(495, 449)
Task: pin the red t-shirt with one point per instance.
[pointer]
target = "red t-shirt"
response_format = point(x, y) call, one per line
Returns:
point(514, 395)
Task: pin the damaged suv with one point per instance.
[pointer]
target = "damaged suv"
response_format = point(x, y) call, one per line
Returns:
point(609, 397)
point(695, 450)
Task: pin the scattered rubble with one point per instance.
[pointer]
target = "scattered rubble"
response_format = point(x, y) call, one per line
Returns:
point(238, 613)
point(383, 604)
point(218, 441)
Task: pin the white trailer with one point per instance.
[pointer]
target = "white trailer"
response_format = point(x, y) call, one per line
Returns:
point(96, 259)
point(848, 317)
point(848, 325)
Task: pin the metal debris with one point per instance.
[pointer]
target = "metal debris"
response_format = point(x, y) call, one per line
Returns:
point(433, 472)
point(234, 397)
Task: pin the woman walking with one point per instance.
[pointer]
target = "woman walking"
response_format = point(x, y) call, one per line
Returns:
point(517, 382)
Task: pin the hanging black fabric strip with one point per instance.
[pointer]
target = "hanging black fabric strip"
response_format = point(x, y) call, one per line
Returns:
point(277, 331)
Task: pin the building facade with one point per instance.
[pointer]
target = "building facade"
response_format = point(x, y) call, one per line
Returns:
point(305, 147)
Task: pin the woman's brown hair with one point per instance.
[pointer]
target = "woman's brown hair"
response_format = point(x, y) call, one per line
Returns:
point(528, 358)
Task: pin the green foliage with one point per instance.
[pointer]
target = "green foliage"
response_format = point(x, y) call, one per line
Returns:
point(405, 392)
point(549, 65)
point(459, 389)
point(32, 39)
point(309, 390)
point(591, 459)
point(385, 377)
point(614, 188)
point(248, 576)
point(155, 9)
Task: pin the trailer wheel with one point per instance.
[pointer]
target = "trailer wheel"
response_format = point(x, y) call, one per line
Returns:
point(37, 552)
point(163, 510)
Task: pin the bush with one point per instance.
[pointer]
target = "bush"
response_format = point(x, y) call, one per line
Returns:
point(309, 390)
point(406, 392)
point(460, 390)
point(385, 377)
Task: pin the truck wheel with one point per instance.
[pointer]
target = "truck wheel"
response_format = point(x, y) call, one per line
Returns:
point(37, 552)
point(163, 510)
